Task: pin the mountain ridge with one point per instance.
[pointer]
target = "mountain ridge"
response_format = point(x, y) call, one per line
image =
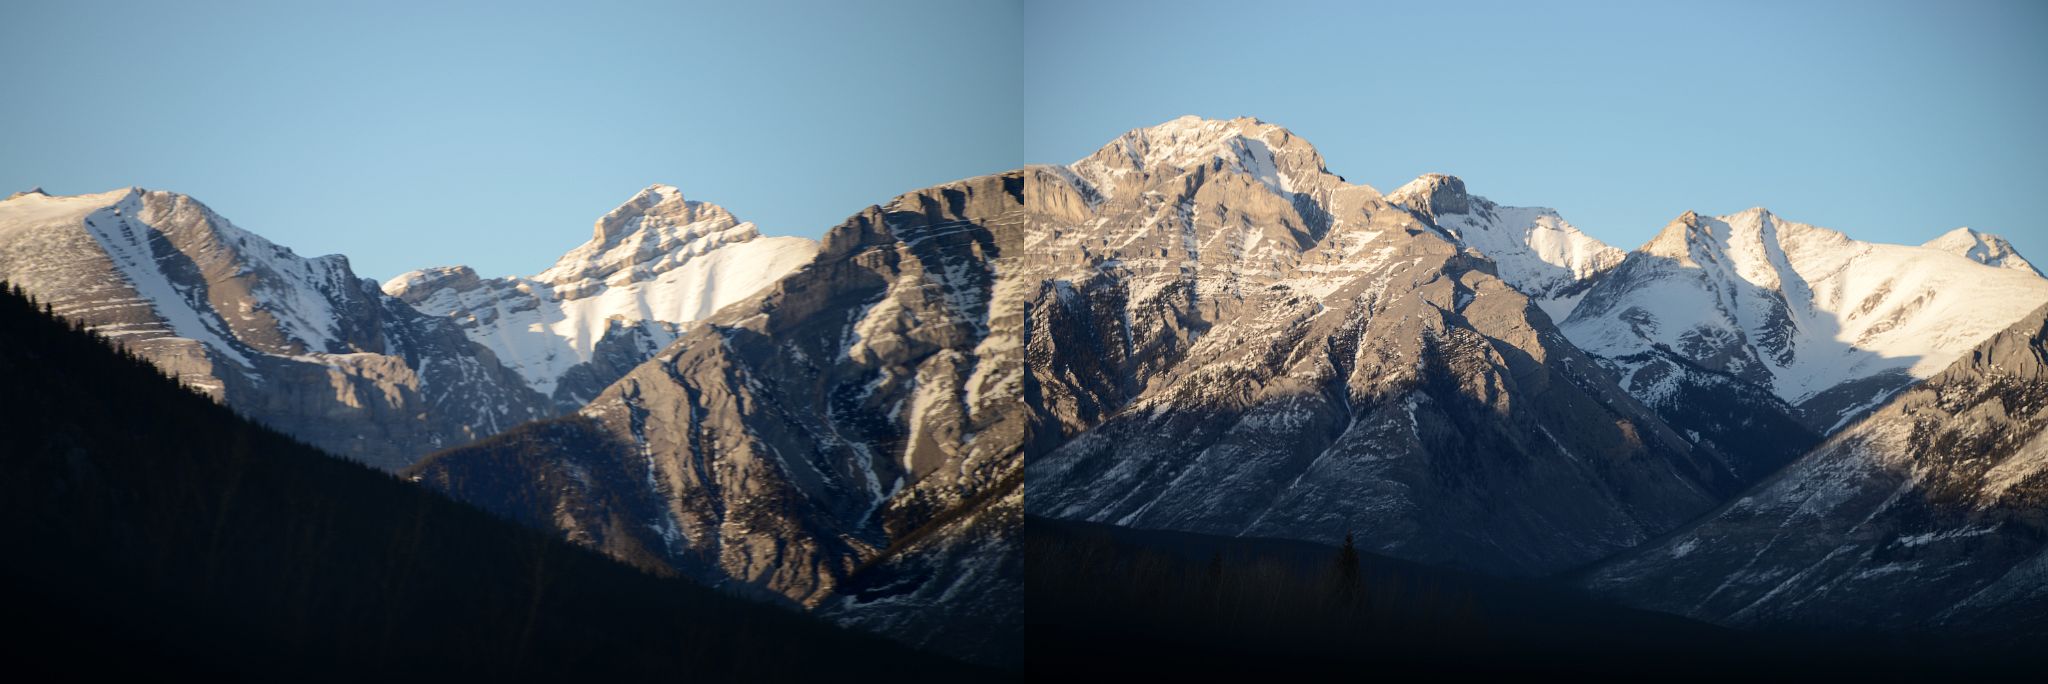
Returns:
point(299, 343)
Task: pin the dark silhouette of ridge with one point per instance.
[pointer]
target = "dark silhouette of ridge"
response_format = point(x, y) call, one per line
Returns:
point(1111, 601)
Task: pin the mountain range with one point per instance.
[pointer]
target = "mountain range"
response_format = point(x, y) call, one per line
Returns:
point(1197, 328)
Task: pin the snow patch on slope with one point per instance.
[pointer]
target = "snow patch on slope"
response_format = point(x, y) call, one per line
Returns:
point(127, 244)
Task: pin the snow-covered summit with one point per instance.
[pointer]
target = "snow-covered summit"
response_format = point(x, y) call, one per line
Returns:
point(655, 262)
point(1983, 248)
point(1806, 312)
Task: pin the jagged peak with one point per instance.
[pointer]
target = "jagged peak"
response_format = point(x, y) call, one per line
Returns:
point(1962, 234)
point(1985, 248)
point(1269, 153)
point(1437, 194)
point(430, 279)
point(1751, 221)
point(1679, 237)
point(1675, 240)
point(657, 206)
point(658, 226)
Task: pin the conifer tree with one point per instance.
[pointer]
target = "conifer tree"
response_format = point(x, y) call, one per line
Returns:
point(1347, 563)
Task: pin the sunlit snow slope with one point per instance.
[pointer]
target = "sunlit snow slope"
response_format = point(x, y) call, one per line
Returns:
point(1827, 323)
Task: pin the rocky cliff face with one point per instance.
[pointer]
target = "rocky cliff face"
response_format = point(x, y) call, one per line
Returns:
point(300, 344)
point(1924, 516)
point(1234, 341)
point(652, 265)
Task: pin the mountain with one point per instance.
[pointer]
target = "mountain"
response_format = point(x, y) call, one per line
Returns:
point(1983, 248)
point(1235, 341)
point(847, 420)
point(1924, 517)
point(302, 345)
point(1829, 325)
point(1197, 327)
point(154, 532)
point(1533, 249)
point(653, 264)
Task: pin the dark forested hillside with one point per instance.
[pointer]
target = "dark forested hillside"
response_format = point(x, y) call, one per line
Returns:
point(1161, 604)
point(150, 530)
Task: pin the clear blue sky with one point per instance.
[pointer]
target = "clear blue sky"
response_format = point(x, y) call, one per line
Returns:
point(410, 134)
point(494, 134)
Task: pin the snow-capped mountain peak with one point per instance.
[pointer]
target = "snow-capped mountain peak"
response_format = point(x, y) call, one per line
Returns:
point(1823, 321)
point(655, 231)
point(655, 262)
point(1675, 241)
point(1983, 248)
